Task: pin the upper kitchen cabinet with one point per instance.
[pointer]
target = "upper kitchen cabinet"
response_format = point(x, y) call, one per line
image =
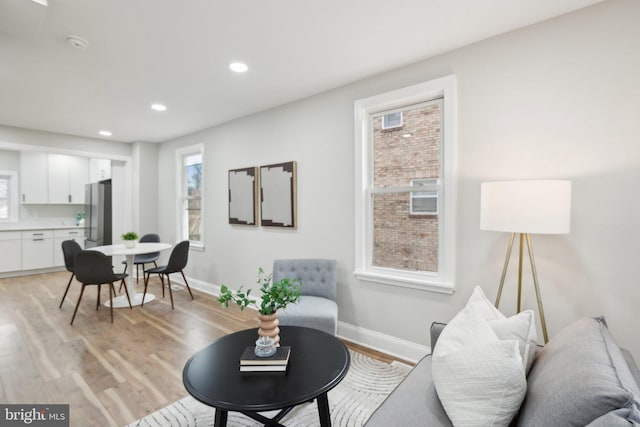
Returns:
point(67, 178)
point(52, 178)
point(99, 169)
point(34, 177)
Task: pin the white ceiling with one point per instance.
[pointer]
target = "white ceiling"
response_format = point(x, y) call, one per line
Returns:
point(177, 53)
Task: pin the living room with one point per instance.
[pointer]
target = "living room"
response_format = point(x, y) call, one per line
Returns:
point(554, 100)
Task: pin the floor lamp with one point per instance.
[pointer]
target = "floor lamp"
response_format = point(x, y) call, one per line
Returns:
point(525, 208)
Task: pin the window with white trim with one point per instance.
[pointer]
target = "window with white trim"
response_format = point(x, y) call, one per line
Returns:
point(405, 235)
point(8, 196)
point(191, 194)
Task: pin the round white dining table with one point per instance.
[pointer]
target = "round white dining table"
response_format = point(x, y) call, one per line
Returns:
point(130, 253)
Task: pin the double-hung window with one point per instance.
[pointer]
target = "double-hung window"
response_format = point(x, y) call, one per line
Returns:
point(8, 196)
point(405, 186)
point(190, 181)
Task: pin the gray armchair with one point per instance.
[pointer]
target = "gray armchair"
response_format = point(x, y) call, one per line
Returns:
point(317, 307)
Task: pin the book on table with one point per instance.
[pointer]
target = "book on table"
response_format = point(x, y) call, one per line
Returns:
point(263, 368)
point(277, 362)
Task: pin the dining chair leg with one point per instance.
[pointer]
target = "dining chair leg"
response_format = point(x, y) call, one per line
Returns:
point(138, 272)
point(127, 292)
point(186, 283)
point(111, 290)
point(161, 281)
point(77, 304)
point(98, 299)
point(144, 294)
point(123, 272)
point(170, 291)
point(67, 290)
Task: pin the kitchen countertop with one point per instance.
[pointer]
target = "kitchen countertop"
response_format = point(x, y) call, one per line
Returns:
point(26, 227)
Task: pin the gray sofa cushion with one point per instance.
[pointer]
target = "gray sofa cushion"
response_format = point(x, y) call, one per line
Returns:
point(623, 417)
point(413, 403)
point(435, 331)
point(579, 376)
point(631, 363)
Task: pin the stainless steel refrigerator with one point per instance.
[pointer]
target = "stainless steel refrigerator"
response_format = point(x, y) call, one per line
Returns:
point(97, 211)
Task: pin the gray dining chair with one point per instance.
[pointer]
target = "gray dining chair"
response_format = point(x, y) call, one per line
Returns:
point(70, 248)
point(177, 262)
point(94, 268)
point(143, 259)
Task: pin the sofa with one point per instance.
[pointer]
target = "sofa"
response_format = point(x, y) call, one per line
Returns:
point(579, 378)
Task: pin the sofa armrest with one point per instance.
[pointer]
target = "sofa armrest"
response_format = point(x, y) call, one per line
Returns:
point(414, 402)
point(436, 329)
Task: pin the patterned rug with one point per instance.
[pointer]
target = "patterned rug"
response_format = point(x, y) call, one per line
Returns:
point(351, 402)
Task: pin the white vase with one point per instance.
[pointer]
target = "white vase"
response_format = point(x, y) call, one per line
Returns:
point(130, 243)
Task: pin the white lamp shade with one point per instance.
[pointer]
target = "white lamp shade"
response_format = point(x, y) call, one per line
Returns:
point(535, 206)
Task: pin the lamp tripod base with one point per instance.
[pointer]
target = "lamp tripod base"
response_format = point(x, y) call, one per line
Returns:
point(523, 237)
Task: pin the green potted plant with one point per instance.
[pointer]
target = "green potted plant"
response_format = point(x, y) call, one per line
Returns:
point(275, 296)
point(130, 239)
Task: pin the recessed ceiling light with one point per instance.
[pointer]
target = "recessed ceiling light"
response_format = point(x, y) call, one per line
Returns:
point(158, 107)
point(105, 133)
point(238, 67)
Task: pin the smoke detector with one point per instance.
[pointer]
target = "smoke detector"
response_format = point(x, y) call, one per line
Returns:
point(77, 42)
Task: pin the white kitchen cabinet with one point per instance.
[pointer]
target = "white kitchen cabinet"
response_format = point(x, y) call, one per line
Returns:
point(60, 236)
point(34, 177)
point(37, 249)
point(67, 177)
point(99, 169)
point(11, 250)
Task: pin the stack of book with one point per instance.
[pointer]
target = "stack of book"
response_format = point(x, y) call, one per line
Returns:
point(249, 362)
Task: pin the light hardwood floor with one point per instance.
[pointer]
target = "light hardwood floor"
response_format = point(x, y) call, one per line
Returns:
point(111, 374)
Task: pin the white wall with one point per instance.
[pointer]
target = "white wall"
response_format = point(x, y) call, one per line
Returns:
point(145, 187)
point(555, 100)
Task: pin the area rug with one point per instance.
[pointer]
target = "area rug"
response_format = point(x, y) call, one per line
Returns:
point(351, 402)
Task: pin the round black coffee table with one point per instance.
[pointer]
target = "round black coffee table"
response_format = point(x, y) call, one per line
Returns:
point(318, 362)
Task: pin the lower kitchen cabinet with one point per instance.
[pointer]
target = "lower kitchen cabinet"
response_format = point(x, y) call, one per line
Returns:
point(24, 250)
point(37, 249)
point(11, 250)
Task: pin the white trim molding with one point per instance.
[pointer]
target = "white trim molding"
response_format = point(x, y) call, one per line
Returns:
point(180, 153)
point(402, 349)
point(444, 279)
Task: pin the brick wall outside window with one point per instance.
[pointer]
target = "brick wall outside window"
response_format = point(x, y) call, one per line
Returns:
point(401, 240)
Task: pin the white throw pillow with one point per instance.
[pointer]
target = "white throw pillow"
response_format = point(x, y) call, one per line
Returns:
point(480, 378)
point(520, 327)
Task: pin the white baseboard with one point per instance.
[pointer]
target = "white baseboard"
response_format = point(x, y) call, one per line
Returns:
point(403, 349)
point(388, 344)
point(207, 288)
point(19, 273)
